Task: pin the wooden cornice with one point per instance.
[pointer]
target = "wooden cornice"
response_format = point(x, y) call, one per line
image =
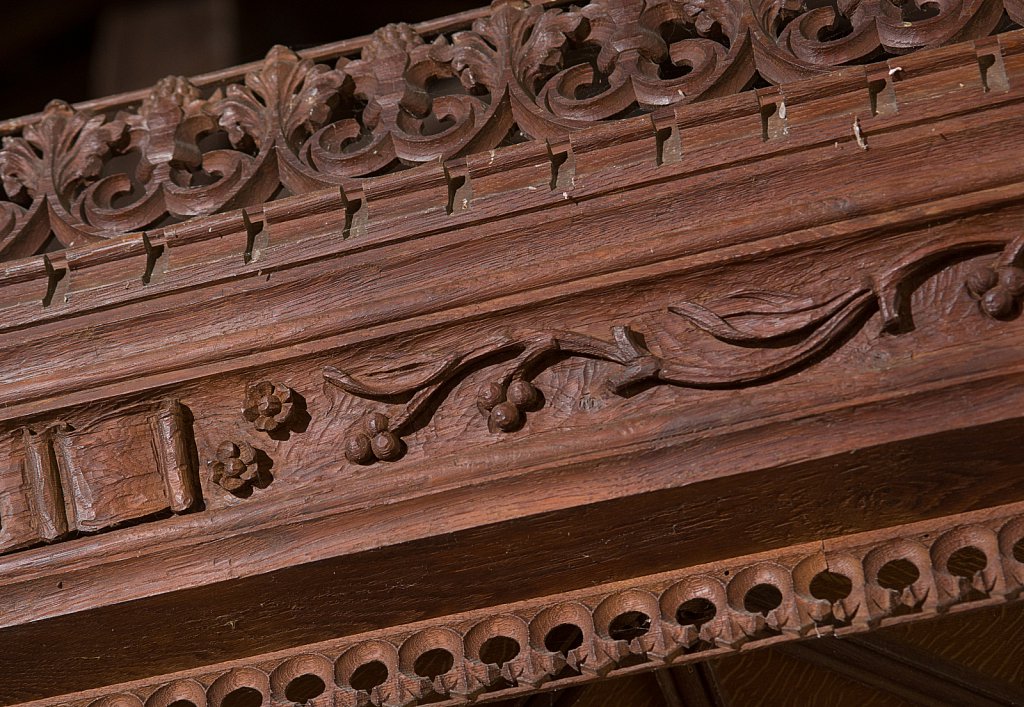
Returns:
point(522, 71)
point(644, 624)
point(242, 252)
point(744, 332)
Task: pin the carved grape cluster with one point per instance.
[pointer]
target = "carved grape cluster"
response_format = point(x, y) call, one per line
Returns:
point(998, 290)
point(235, 469)
point(370, 440)
point(504, 406)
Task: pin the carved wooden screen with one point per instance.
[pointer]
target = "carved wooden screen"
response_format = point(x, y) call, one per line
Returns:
point(606, 334)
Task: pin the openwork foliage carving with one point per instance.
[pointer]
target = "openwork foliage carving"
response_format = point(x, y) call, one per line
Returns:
point(524, 71)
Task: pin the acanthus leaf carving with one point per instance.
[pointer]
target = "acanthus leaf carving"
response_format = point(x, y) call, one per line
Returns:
point(275, 111)
point(524, 71)
point(48, 168)
point(58, 155)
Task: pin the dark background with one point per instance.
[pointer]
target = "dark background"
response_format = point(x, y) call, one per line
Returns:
point(80, 49)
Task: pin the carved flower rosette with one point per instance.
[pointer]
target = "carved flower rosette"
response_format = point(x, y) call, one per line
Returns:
point(269, 406)
point(236, 467)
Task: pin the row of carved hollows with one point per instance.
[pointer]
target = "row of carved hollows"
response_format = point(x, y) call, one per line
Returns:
point(596, 652)
point(525, 70)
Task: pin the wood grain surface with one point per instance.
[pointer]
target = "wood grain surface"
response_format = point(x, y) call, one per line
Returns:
point(525, 351)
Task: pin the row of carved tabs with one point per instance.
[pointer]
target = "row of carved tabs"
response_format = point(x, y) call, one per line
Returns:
point(913, 572)
point(524, 72)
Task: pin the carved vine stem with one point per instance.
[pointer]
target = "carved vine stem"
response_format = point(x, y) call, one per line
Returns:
point(772, 334)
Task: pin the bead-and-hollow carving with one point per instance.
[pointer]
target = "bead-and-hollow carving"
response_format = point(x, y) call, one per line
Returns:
point(523, 71)
point(754, 323)
point(236, 467)
point(842, 586)
point(269, 406)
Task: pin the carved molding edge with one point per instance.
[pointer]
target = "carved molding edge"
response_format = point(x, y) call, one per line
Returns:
point(537, 174)
point(771, 334)
point(524, 72)
point(846, 585)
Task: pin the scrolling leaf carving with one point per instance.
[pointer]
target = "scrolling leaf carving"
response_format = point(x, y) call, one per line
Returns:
point(524, 71)
point(771, 334)
point(48, 168)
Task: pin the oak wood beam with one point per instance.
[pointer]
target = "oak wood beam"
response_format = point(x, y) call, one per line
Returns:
point(571, 638)
point(694, 684)
point(899, 669)
point(625, 365)
point(666, 685)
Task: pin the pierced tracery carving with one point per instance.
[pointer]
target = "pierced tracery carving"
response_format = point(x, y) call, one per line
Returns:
point(524, 70)
point(772, 334)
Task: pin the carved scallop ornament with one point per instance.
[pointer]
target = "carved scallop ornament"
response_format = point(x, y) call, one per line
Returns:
point(842, 587)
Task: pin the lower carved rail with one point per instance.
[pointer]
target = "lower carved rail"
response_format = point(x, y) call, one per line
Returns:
point(842, 585)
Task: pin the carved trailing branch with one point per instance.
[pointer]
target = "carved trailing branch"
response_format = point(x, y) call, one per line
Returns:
point(524, 71)
point(771, 334)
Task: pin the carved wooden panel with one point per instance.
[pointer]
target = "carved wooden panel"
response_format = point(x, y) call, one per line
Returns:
point(505, 328)
point(120, 467)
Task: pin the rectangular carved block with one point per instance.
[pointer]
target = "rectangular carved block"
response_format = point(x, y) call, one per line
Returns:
point(111, 473)
point(58, 480)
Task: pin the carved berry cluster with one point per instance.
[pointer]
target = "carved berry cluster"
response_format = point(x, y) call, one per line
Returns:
point(998, 290)
point(504, 407)
point(370, 440)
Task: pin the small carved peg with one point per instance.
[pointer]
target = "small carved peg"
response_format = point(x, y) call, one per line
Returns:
point(269, 406)
point(236, 468)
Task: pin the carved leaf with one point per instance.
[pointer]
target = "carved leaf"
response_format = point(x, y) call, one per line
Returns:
point(62, 151)
point(758, 316)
